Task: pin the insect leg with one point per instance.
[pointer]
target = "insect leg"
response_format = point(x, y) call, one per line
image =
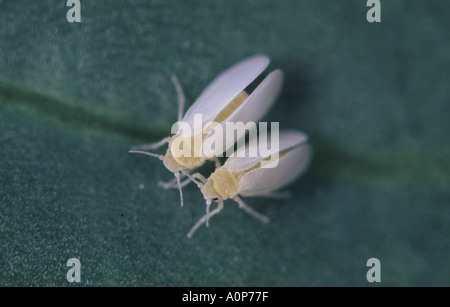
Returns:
point(177, 175)
point(208, 204)
point(251, 211)
point(198, 178)
point(204, 218)
point(173, 183)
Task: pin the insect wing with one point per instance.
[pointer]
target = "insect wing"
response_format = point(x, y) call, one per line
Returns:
point(242, 161)
point(250, 111)
point(225, 88)
point(290, 166)
point(260, 100)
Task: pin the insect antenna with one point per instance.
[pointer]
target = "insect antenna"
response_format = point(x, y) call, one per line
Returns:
point(177, 175)
point(160, 157)
point(181, 98)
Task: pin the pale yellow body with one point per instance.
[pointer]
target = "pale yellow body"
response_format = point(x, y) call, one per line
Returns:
point(246, 177)
point(222, 184)
point(194, 158)
point(175, 163)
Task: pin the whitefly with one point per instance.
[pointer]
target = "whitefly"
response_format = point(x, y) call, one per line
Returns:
point(224, 100)
point(260, 176)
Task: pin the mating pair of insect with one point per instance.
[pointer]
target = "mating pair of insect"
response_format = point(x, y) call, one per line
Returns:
point(224, 101)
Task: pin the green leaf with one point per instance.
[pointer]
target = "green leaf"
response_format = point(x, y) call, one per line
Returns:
point(74, 97)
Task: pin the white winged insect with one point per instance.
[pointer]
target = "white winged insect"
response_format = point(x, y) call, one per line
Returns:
point(246, 176)
point(224, 100)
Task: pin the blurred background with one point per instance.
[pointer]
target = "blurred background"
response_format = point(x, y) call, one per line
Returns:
point(74, 97)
